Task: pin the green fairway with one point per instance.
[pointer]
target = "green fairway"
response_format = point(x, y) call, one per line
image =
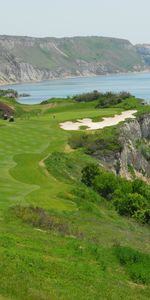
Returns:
point(42, 264)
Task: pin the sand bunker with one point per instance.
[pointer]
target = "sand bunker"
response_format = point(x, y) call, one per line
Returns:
point(110, 121)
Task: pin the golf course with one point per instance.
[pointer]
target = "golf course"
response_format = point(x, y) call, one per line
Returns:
point(59, 238)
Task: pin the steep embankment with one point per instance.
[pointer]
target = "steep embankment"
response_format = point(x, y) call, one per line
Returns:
point(32, 59)
point(133, 156)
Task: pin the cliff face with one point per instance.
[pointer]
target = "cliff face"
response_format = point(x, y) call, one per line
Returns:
point(17, 71)
point(13, 70)
point(134, 158)
point(25, 59)
point(135, 138)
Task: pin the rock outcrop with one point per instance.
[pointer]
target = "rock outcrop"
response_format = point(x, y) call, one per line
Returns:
point(134, 158)
point(135, 139)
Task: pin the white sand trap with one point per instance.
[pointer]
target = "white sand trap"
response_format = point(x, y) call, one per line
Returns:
point(110, 121)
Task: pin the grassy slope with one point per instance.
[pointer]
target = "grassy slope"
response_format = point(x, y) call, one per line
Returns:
point(38, 264)
point(116, 52)
point(120, 54)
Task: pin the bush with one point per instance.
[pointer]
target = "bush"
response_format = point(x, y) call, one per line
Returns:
point(107, 99)
point(130, 198)
point(9, 93)
point(137, 264)
point(128, 256)
point(130, 204)
point(124, 187)
point(99, 144)
point(86, 97)
point(141, 188)
point(89, 173)
point(38, 217)
point(105, 184)
point(78, 140)
point(110, 99)
point(145, 150)
point(140, 273)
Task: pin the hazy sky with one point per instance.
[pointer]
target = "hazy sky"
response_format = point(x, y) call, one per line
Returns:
point(117, 18)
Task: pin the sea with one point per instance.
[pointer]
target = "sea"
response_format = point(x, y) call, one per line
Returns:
point(137, 84)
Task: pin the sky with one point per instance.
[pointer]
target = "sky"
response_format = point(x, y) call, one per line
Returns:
point(127, 19)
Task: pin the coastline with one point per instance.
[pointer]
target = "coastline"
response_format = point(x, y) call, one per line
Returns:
point(74, 77)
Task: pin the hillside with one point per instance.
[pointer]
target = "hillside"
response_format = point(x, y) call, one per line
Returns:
point(60, 239)
point(31, 59)
point(144, 52)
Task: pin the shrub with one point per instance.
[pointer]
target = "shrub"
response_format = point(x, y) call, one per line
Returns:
point(105, 184)
point(9, 93)
point(86, 97)
point(110, 99)
point(124, 187)
point(38, 217)
point(125, 95)
point(141, 188)
point(99, 144)
point(128, 256)
point(131, 205)
point(137, 264)
point(78, 140)
point(130, 198)
point(140, 273)
point(145, 150)
point(89, 173)
point(107, 99)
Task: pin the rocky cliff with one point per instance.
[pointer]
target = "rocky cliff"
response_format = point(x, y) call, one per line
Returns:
point(134, 158)
point(25, 59)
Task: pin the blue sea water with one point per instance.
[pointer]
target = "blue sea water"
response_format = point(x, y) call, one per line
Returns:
point(137, 84)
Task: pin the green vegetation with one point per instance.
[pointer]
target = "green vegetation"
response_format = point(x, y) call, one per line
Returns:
point(110, 99)
point(58, 236)
point(39, 218)
point(137, 264)
point(145, 149)
point(66, 166)
point(122, 100)
point(129, 198)
point(106, 100)
point(52, 53)
point(99, 144)
point(86, 97)
point(8, 93)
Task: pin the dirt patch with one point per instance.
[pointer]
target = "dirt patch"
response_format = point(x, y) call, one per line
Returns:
point(5, 109)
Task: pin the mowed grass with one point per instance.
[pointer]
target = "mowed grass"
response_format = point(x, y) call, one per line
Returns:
point(39, 264)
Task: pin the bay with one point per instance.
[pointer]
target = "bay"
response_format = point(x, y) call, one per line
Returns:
point(138, 84)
